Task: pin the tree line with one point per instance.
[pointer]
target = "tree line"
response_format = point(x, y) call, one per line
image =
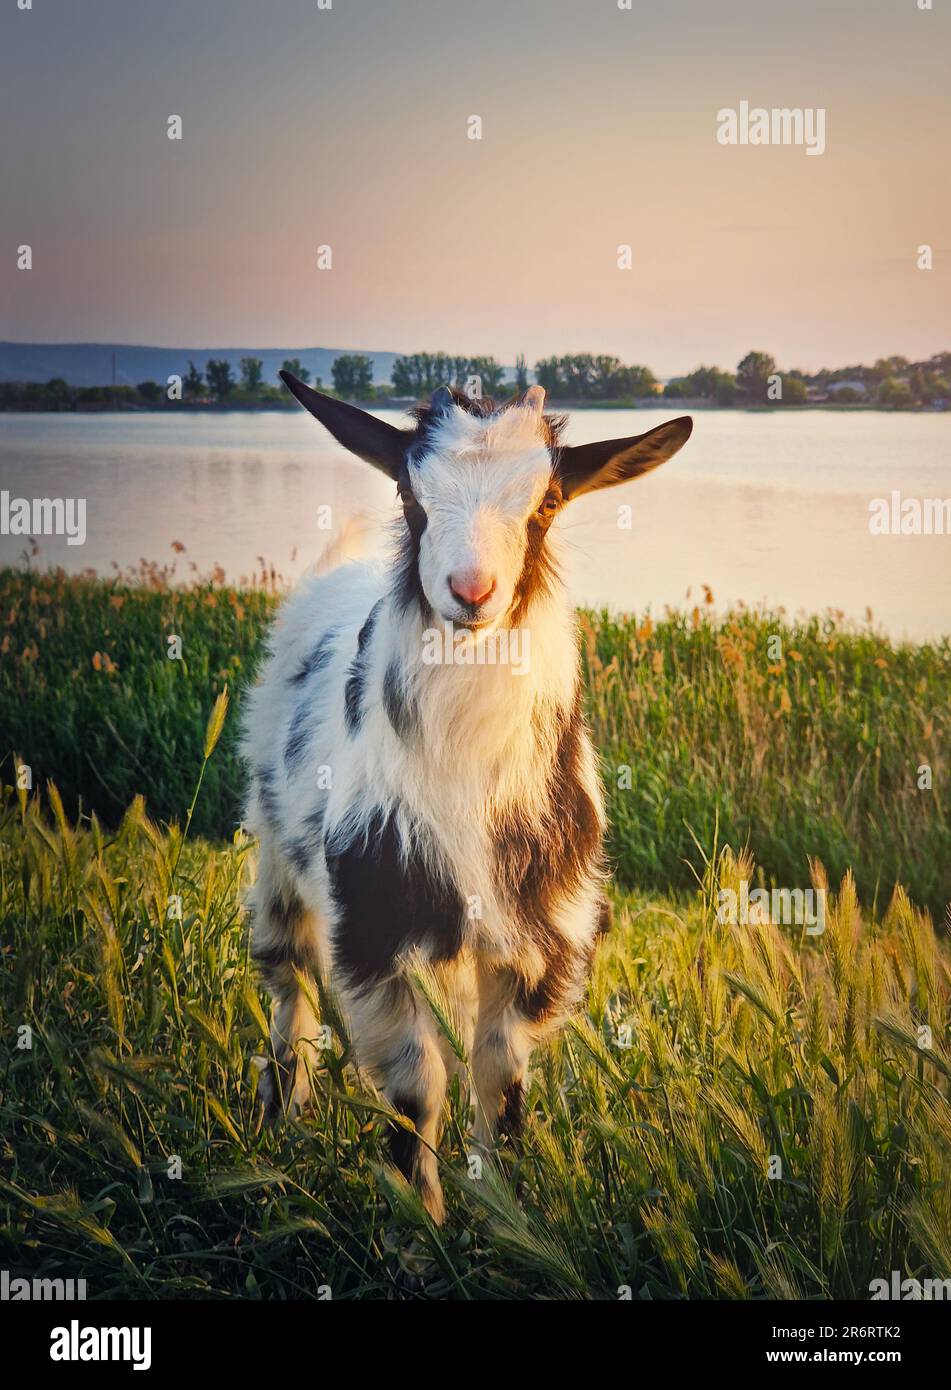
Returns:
point(891, 381)
point(574, 378)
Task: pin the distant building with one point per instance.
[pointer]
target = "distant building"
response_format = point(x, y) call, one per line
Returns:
point(816, 394)
point(858, 387)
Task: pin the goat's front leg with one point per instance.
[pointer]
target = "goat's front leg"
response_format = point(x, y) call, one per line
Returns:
point(395, 1038)
point(284, 947)
point(503, 1043)
point(518, 1008)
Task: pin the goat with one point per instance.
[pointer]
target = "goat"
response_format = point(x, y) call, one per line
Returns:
point(446, 811)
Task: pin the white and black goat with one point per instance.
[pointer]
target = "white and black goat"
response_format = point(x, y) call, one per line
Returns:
point(449, 810)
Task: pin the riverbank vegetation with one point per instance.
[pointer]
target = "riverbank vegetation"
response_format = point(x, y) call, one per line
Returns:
point(575, 380)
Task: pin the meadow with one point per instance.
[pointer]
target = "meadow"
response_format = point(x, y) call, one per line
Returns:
point(741, 1111)
point(797, 740)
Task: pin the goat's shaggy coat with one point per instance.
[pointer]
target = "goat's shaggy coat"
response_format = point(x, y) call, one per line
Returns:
point(449, 811)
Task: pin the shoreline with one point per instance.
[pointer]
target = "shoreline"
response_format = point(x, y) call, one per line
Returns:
point(403, 403)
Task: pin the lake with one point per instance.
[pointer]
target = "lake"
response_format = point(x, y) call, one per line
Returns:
point(764, 508)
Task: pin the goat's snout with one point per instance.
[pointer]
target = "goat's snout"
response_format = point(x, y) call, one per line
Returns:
point(472, 588)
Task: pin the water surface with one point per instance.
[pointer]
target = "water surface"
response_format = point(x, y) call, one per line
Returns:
point(766, 508)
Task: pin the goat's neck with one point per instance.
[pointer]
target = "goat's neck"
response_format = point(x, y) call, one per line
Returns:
point(488, 713)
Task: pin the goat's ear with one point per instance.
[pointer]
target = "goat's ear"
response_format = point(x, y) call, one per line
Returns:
point(374, 440)
point(588, 466)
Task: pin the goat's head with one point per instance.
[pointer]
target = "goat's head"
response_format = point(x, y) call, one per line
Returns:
point(480, 487)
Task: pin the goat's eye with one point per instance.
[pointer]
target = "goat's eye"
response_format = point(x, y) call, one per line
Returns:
point(549, 505)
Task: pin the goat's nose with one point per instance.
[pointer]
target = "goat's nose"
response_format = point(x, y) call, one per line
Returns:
point(472, 588)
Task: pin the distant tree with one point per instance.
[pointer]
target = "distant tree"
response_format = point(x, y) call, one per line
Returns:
point(95, 395)
point(194, 383)
point(252, 374)
point(794, 390)
point(705, 383)
point(521, 373)
point(895, 394)
point(57, 393)
point(409, 374)
point(578, 373)
point(420, 373)
point(451, 371)
point(547, 375)
point(150, 390)
point(918, 381)
point(634, 381)
point(891, 367)
point(491, 374)
point(353, 376)
point(600, 377)
point(220, 380)
point(293, 365)
point(753, 373)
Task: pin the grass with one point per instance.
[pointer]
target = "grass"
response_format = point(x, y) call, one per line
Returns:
point(133, 1154)
point(811, 747)
point(704, 1055)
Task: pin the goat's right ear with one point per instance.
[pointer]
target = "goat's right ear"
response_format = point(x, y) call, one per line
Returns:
point(371, 439)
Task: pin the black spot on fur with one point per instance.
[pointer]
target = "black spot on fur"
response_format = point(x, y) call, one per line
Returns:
point(400, 711)
point(273, 957)
point(403, 1143)
point(297, 853)
point(356, 680)
point(407, 587)
point(511, 1119)
point(299, 734)
point(282, 949)
point(316, 660)
point(265, 782)
point(303, 850)
point(386, 905)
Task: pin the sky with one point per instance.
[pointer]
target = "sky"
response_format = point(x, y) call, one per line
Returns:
point(348, 127)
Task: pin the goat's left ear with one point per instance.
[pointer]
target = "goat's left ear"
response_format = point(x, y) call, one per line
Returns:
point(586, 467)
point(363, 434)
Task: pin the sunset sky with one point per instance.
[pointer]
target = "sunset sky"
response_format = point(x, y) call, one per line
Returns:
point(348, 127)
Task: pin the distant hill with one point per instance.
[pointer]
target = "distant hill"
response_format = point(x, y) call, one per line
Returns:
point(90, 364)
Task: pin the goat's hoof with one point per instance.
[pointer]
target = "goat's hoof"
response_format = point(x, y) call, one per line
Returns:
point(280, 1092)
point(268, 1092)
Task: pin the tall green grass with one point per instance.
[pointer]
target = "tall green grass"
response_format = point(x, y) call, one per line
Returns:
point(134, 1157)
point(798, 739)
point(808, 749)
